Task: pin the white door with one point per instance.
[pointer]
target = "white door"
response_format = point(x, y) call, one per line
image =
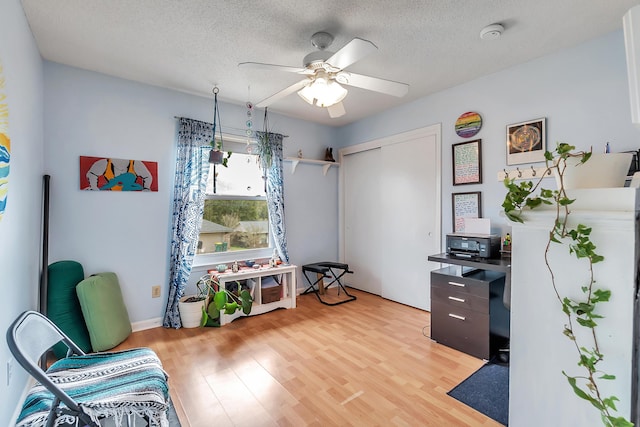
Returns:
point(391, 201)
point(408, 207)
point(362, 198)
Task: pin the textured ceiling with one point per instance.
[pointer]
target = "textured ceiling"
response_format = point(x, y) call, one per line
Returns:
point(192, 45)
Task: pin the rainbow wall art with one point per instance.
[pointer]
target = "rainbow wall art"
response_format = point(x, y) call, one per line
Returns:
point(5, 145)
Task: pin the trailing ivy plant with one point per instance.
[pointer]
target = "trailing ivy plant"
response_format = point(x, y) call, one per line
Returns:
point(581, 312)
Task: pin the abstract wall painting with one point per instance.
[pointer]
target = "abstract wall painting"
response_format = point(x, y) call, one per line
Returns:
point(5, 144)
point(109, 174)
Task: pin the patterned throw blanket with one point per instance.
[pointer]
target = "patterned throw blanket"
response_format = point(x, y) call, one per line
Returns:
point(110, 384)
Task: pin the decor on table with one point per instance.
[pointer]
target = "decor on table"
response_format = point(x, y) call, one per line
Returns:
point(109, 174)
point(467, 162)
point(526, 142)
point(468, 124)
point(581, 312)
point(465, 205)
point(5, 145)
point(217, 156)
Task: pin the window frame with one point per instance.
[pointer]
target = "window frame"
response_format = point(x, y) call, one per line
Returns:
point(212, 259)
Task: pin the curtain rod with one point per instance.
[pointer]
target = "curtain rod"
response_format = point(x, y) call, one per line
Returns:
point(241, 132)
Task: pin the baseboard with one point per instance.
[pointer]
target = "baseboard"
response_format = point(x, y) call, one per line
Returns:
point(146, 324)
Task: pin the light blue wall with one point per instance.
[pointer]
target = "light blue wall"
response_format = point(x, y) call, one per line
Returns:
point(583, 93)
point(20, 228)
point(91, 114)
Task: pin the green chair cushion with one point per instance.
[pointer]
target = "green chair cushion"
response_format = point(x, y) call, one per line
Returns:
point(63, 307)
point(104, 311)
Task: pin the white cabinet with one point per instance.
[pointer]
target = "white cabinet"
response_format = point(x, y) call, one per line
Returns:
point(539, 394)
point(286, 276)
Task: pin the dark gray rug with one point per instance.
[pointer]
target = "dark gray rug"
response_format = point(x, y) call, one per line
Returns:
point(173, 417)
point(486, 391)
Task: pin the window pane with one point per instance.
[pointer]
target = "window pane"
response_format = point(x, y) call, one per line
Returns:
point(241, 177)
point(234, 225)
point(233, 219)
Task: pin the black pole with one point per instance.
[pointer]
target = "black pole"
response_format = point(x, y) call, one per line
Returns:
point(44, 275)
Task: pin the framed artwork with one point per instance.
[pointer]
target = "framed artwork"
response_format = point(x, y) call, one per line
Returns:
point(526, 142)
point(467, 162)
point(108, 174)
point(465, 205)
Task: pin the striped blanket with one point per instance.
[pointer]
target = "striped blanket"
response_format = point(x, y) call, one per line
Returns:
point(110, 384)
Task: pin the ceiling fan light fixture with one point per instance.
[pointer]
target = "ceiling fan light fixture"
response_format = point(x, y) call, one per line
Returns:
point(323, 92)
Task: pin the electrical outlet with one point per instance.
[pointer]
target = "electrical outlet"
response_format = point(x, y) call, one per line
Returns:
point(9, 371)
point(155, 292)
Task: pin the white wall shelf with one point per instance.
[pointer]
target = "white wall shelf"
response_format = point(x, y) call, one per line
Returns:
point(296, 160)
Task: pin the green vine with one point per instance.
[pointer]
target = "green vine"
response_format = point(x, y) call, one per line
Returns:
point(581, 312)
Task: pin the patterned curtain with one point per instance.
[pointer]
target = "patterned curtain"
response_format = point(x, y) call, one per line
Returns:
point(272, 165)
point(192, 170)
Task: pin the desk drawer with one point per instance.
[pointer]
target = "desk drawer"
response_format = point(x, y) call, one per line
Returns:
point(450, 297)
point(460, 285)
point(459, 328)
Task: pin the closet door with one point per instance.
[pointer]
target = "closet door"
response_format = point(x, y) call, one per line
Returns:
point(391, 206)
point(362, 219)
point(410, 215)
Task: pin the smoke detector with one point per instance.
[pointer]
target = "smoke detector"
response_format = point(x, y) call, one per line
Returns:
point(491, 32)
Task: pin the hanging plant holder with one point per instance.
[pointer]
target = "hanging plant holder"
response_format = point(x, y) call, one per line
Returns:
point(217, 154)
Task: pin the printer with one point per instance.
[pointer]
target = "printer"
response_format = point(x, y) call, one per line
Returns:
point(473, 245)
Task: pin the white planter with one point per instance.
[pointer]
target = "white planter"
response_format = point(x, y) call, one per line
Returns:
point(190, 312)
point(600, 171)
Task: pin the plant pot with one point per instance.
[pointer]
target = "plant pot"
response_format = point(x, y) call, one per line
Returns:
point(600, 171)
point(190, 312)
point(215, 156)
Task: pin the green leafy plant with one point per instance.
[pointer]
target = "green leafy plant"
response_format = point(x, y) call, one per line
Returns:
point(223, 157)
point(579, 312)
point(221, 300)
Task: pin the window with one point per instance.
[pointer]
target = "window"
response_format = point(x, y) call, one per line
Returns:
point(235, 214)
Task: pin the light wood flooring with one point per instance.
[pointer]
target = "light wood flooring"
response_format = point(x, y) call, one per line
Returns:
point(363, 363)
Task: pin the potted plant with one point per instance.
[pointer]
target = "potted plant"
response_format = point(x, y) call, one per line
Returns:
point(580, 312)
point(217, 155)
point(191, 306)
point(221, 300)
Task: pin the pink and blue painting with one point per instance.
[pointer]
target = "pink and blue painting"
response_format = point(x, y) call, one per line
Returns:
point(5, 145)
point(109, 174)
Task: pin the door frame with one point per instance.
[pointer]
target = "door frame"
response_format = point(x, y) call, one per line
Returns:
point(432, 130)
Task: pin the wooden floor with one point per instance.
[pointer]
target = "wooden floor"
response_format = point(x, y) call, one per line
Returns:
point(363, 363)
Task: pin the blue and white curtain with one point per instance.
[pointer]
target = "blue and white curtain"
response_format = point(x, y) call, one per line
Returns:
point(192, 170)
point(275, 192)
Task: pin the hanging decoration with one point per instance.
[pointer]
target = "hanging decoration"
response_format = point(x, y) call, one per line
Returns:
point(249, 123)
point(217, 156)
point(468, 124)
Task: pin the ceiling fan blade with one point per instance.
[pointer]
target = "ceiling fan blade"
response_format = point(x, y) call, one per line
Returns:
point(274, 67)
point(284, 92)
point(373, 83)
point(353, 51)
point(336, 110)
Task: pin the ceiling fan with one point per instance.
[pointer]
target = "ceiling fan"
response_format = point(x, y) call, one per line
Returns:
point(325, 73)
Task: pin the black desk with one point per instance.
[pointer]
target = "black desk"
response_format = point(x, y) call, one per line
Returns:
point(502, 265)
point(469, 311)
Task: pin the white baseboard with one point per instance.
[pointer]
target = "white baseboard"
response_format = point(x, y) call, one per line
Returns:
point(146, 324)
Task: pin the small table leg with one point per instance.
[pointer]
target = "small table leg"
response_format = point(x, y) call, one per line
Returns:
point(320, 283)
